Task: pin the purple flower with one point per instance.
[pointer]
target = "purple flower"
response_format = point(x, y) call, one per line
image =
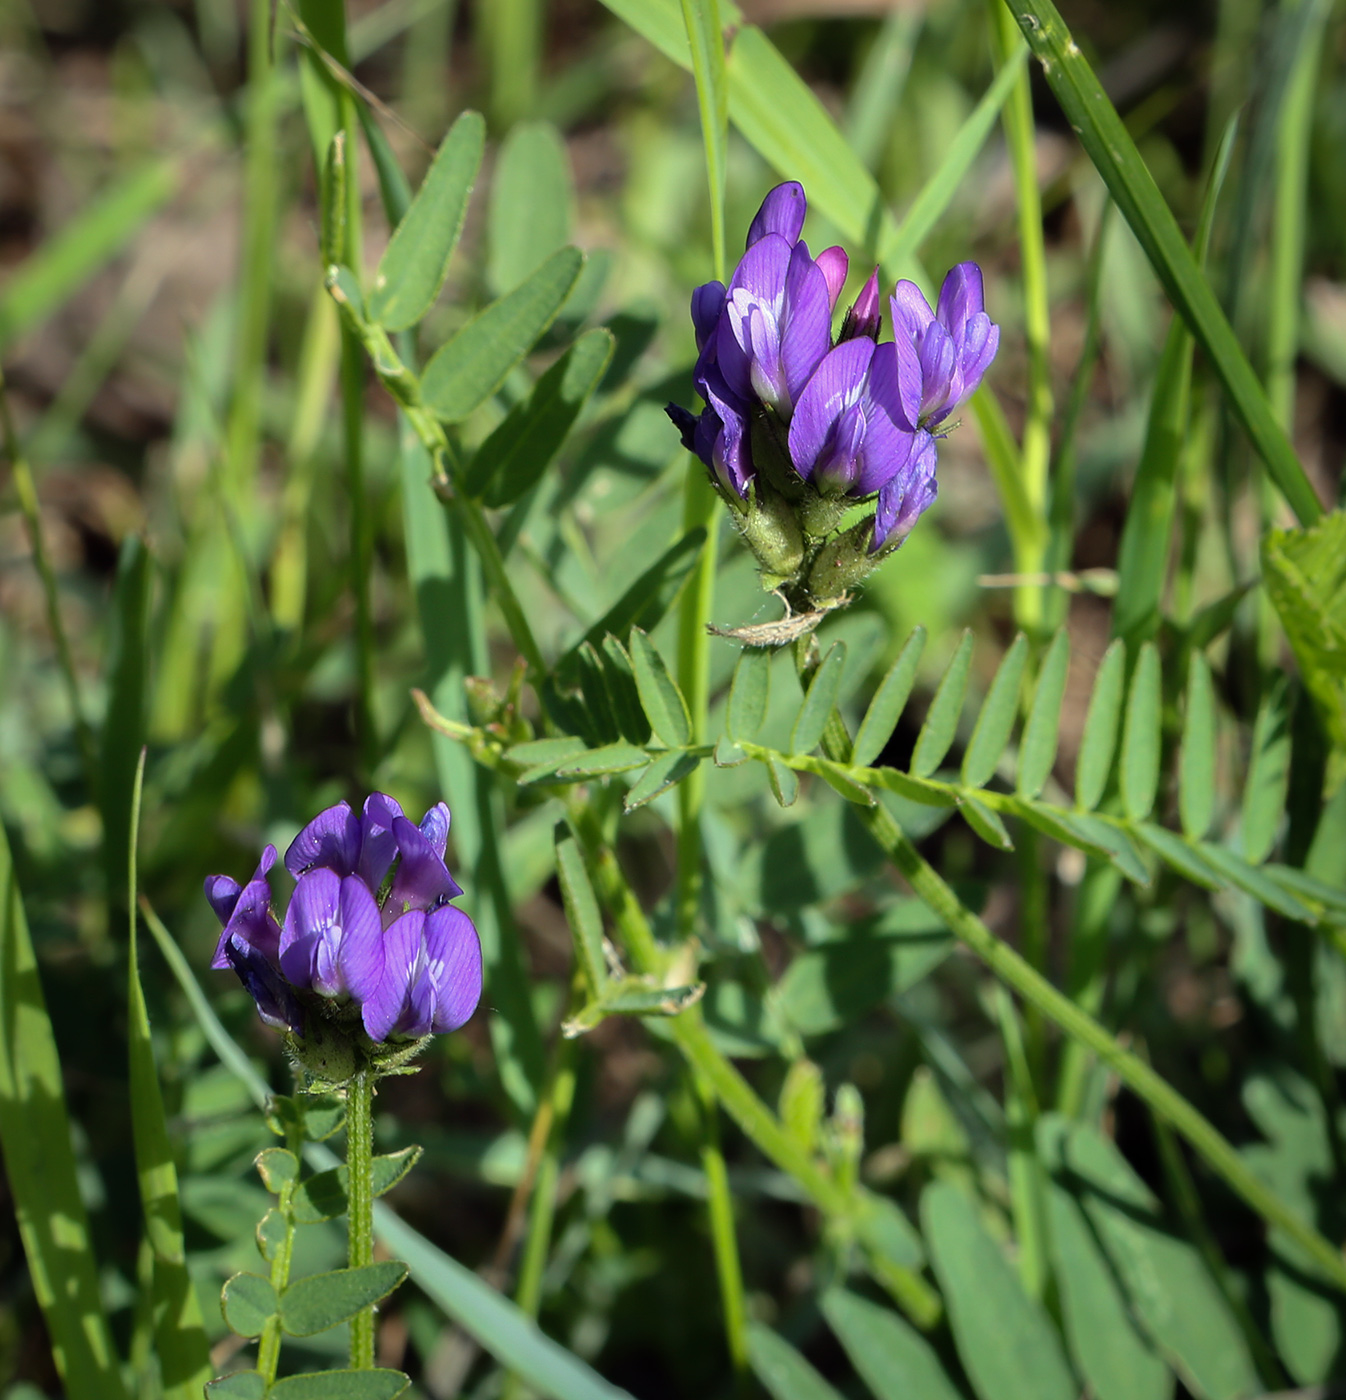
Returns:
point(848, 435)
point(782, 213)
point(905, 496)
point(369, 926)
point(864, 317)
point(942, 354)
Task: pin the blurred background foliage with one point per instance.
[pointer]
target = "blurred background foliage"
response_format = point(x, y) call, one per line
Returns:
point(171, 365)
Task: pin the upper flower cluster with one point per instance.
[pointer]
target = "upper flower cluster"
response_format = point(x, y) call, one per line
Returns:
point(368, 932)
point(798, 427)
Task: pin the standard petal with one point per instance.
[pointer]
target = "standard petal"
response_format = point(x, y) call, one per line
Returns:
point(453, 953)
point(251, 922)
point(222, 891)
point(834, 264)
point(782, 213)
point(761, 271)
point(707, 303)
point(806, 333)
point(331, 839)
point(960, 298)
point(403, 949)
point(360, 954)
point(378, 845)
point(911, 311)
point(421, 880)
point(306, 954)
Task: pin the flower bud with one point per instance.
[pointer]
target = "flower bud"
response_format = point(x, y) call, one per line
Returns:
point(864, 317)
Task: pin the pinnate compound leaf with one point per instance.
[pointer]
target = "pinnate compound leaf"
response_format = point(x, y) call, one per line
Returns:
point(463, 374)
point(1237, 871)
point(380, 1384)
point(1005, 1341)
point(659, 693)
point(819, 701)
point(995, 723)
point(893, 1359)
point(941, 721)
point(416, 261)
point(248, 1302)
point(1185, 858)
point(518, 452)
point(238, 1385)
point(1113, 1356)
point(784, 1374)
point(1196, 769)
point(1268, 780)
point(885, 709)
point(1100, 728)
point(666, 771)
point(1305, 576)
point(312, 1305)
point(1037, 748)
point(323, 1195)
point(1140, 737)
point(749, 693)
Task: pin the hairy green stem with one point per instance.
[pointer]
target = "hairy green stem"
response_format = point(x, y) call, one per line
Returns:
point(360, 1204)
point(268, 1348)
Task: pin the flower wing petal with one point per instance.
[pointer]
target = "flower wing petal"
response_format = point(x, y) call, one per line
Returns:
point(454, 953)
point(403, 942)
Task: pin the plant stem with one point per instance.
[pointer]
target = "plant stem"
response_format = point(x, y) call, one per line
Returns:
point(268, 1348)
point(722, 1235)
point(360, 1204)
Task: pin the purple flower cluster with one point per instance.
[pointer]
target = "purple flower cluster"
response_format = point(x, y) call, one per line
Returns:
point(369, 926)
point(858, 419)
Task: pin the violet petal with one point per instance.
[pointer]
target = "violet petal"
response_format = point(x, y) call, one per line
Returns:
point(782, 213)
point(331, 839)
point(453, 952)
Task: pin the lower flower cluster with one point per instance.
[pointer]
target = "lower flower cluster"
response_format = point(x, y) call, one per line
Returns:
point(370, 955)
point(798, 429)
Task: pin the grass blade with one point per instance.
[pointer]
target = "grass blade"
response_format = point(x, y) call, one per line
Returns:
point(1114, 153)
point(996, 720)
point(532, 200)
point(705, 37)
point(179, 1333)
point(40, 1165)
point(941, 721)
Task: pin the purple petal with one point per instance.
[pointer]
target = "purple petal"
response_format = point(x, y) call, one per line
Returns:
point(835, 382)
point(910, 380)
point(756, 288)
point(960, 298)
point(864, 317)
point(275, 999)
point(707, 304)
point(360, 956)
point(453, 952)
point(762, 270)
point(727, 451)
point(782, 213)
point(378, 845)
point(806, 334)
point(980, 343)
point(435, 828)
point(906, 497)
point(911, 311)
point(306, 956)
point(834, 264)
point(331, 839)
point(403, 946)
point(421, 880)
point(250, 918)
point(939, 357)
point(888, 438)
point(222, 891)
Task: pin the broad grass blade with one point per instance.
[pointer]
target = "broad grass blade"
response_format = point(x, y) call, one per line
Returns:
point(532, 204)
point(40, 1165)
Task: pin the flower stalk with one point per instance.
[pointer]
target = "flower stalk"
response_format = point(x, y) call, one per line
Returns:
point(360, 1204)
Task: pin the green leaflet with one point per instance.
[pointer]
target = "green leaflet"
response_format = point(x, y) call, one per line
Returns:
point(782, 1371)
point(895, 1361)
point(1268, 781)
point(248, 1302)
point(819, 701)
point(885, 709)
point(995, 723)
point(659, 694)
point(1305, 575)
point(666, 771)
point(1140, 736)
point(313, 1304)
point(416, 261)
point(1037, 747)
point(238, 1385)
point(464, 373)
point(532, 203)
point(517, 454)
point(581, 909)
point(749, 693)
point(1196, 770)
point(1005, 1341)
point(941, 720)
point(1100, 728)
point(379, 1384)
point(323, 1196)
